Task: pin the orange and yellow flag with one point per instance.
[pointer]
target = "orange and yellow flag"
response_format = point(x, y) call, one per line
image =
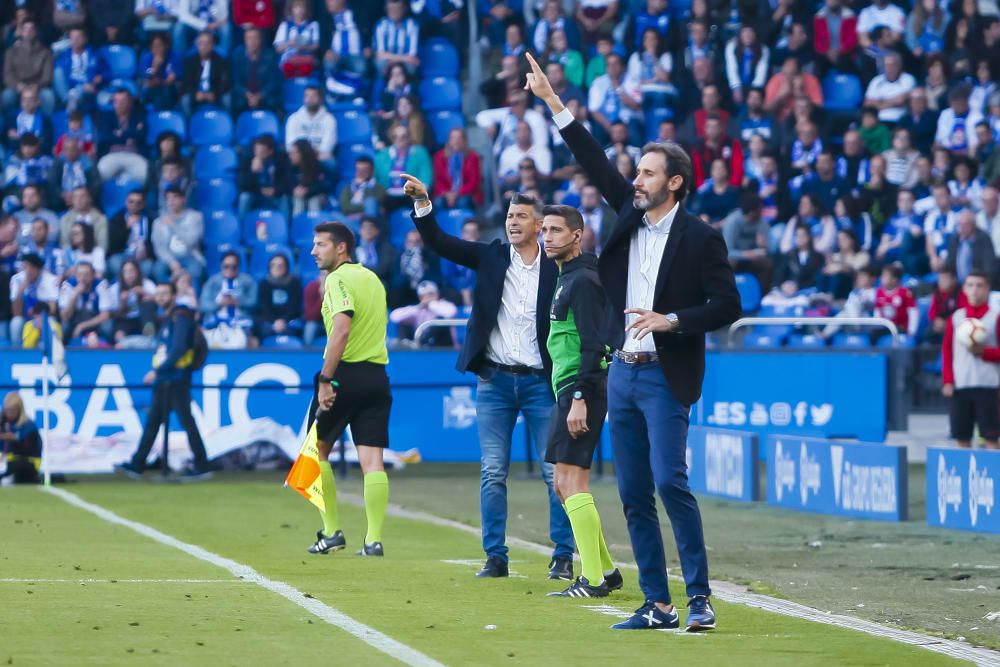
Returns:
point(304, 476)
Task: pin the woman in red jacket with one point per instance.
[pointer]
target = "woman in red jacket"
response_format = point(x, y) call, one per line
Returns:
point(458, 174)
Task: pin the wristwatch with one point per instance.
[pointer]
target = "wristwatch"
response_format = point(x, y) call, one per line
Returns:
point(329, 380)
point(577, 395)
point(672, 318)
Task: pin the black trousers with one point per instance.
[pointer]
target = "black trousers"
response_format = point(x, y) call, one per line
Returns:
point(175, 397)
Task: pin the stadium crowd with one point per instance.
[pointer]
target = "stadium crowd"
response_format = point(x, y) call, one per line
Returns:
point(848, 153)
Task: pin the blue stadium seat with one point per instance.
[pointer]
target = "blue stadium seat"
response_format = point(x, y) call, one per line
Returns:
point(282, 343)
point(215, 194)
point(303, 224)
point(164, 121)
point(222, 227)
point(358, 104)
point(265, 225)
point(120, 60)
point(308, 270)
point(215, 161)
point(60, 123)
point(905, 341)
point(438, 57)
point(758, 340)
point(114, 193)
point(443, 122)
point(261, 254)
point(354, 127)
point(440, 93)
point(252, 124)
point(841, 92)
point(211, 126)
point(806, 341)
point(347, 154)
point(851, 341)
point(400, 224)
point(451, 221)
point(214, 253)
point(293, 91)
point(653, 118)
point(749, 289)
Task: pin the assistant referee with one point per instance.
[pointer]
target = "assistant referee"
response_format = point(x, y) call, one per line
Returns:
point(352, 389)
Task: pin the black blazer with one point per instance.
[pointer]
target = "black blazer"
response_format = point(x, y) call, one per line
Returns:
point(218, 75)
point(695, 280)
point(490, 261)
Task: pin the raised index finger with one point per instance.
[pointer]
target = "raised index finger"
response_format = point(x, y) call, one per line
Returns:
point(534, 65)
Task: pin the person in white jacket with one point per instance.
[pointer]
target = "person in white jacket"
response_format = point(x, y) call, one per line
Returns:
point(194, 16)
point(747, 62)
point(313, 123)
point(431, 307)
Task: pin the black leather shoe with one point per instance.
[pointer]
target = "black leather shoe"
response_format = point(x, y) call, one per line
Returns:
point(561, 567)
point(614, 580)
point(494, 567)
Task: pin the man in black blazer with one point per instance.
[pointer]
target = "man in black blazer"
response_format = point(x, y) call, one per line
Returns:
point(505, 347)
point(206, 76)
point(668, 282)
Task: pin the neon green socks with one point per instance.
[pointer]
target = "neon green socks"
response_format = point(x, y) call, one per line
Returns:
point(376, 504)
point(607, 564)
point(586, 524)
point(331, 518)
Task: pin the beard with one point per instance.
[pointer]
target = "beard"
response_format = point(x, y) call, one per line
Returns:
point(650, 199)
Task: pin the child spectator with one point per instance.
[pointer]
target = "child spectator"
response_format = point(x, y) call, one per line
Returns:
point(895, 302)
point(945, 300)
point(159, 73)
point(430, 307)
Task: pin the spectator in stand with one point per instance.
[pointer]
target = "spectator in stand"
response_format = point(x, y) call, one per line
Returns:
point(609, 100)
point(312, 299)
point(121, 138)
point(416, 264)
point(407, 114)
point(596, 18)
point(970, 248)
point(41, 243)
point(362, 195)
point(399, 158)
point(956, 124)
point(895, 302)
point(31, 286)
point(429, 307)
point(925, 28)
point(130, 304)
point(717, 197)
point(882, 14)
point(84, 212)
point(458, 174)
point(75, 129)
point(699, 44)
point(835, 35)
point(21, 442)
point(717, 146)
point(501, 124)
point(754, 121)
point(649, 72)
point(805, 149)
point(597, 215)
point(902, 237)
point(78, 73)
point(561, 85)
point(29, 166)
point(986, 155)
point(28, 118)
point(822, 227)
point(156, 15)
point(159, 74)
point(901, 160)
point(514, 44)
point(83, 250)
point(969, 372)
point(83, 304)
point(523, 148)
point(396, 39)
point(711, 107)
point(460, 278)
point(945, 300)
point(375, 253)
point(341, 32)
point(71, 170)
point(859, 303)
point(256, 13)
point(130, 235)
point(229, 297)
point(206, 80)
point(263, 178)
point(823, 182)
point(171, 175)
point(177, 236)
point(802, 264)
point(747, 62)
point(33, 208)
point(939, 225)
point(110, 20)
point(297, 41)
point(279, 301)
point(966, 190)
point(496, 89)
point(746, 234)
point(889, 91)
point(314, 123)
point(561, 52)
point(553, 19)
point(853, 165)
point(306, 179)
point(788, 84)
point(172, 167)
point(397, 84)
point(28, 63)
point(838, 274)
point(527, 177)
point(256, 82)
point(988, 218)
point(874, 135)
point(9, 245)
point(197, 16)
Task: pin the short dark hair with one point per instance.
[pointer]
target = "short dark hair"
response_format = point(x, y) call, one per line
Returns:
point(171, 285)
point(869, 269)
point(230, 253)
point(339, 232)
point(678, 163)
point(364, 159)
point(750, 202)
point(572, 216)
point(894, 269)
point(979, 273)
point(524, 199)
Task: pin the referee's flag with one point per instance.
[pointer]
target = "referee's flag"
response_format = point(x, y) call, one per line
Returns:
point(52, 346)
point(304, 476)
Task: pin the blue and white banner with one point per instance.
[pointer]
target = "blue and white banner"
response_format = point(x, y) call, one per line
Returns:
point(723, 463)
point(867, 481)
point(962, 489)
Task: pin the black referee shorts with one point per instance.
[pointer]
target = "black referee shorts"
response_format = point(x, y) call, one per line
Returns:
point(564, 448)
point(972, 406)
point(363, 402)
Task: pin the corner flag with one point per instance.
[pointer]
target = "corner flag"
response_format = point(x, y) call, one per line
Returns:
point(52, 347)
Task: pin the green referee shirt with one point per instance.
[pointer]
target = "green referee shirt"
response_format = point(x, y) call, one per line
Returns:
point(355, 290)
point(577, 313)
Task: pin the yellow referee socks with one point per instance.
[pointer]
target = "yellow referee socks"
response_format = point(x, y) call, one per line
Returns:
point(376, 504)
point(586, 524)
point(331, 518)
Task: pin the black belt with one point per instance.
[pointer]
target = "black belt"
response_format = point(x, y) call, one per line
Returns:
point(516, 370)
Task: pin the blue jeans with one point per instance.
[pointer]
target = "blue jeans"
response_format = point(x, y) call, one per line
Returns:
point(649, 436)
point(500, 396)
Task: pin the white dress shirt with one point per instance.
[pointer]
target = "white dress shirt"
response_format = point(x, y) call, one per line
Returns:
point(514, 339)
point(645, 252)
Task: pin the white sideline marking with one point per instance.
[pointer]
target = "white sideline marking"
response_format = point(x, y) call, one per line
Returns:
point(733, 593)
point(335, 617)
point(121, 581)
